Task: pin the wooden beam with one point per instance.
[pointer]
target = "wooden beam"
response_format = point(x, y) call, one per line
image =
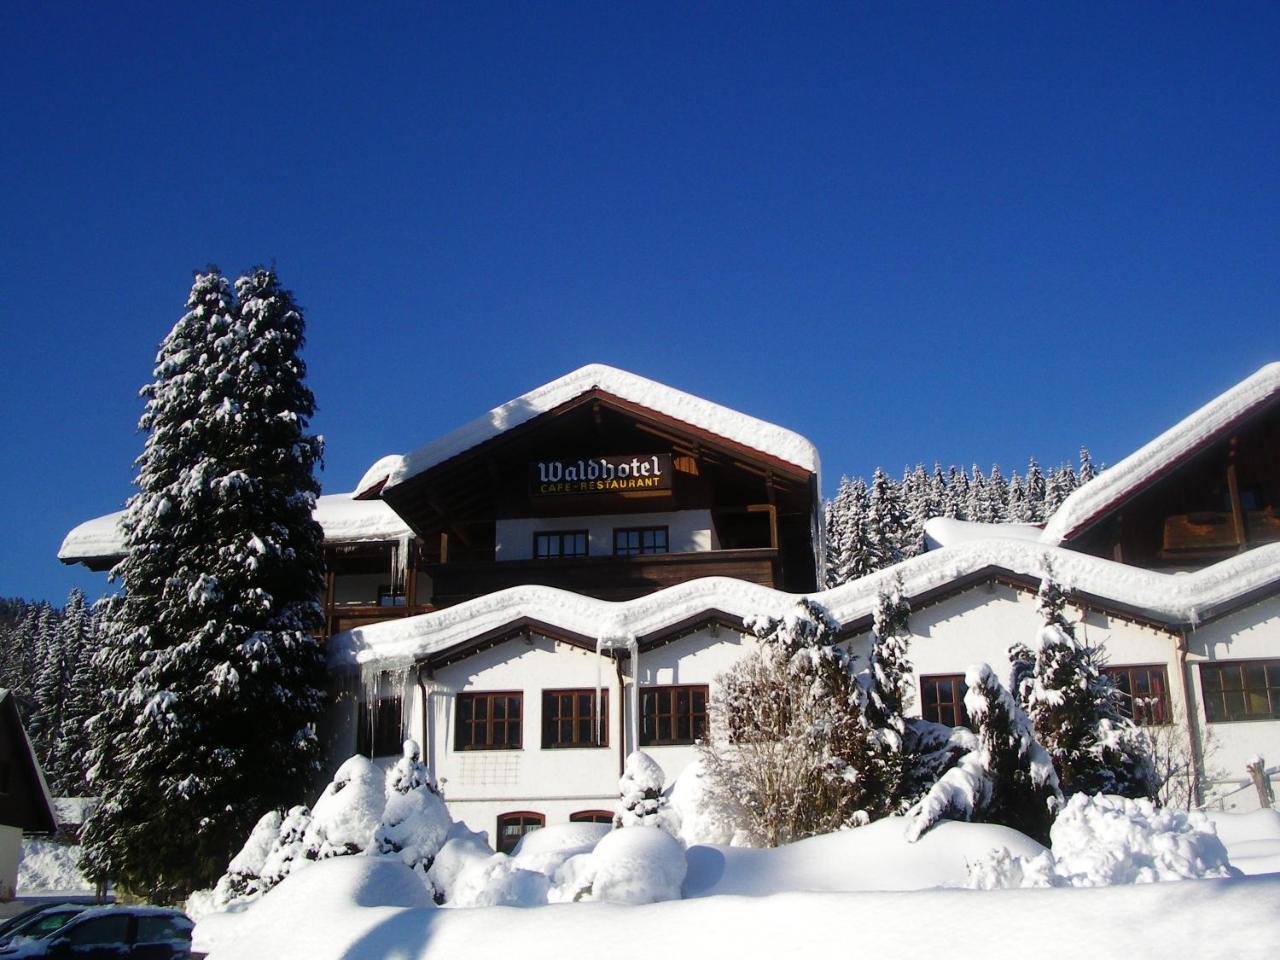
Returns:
point(1233, 486)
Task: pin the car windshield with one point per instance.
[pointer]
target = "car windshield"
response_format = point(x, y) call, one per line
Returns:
point(47, 923)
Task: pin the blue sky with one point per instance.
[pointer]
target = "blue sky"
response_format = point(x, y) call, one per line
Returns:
point(909, 231)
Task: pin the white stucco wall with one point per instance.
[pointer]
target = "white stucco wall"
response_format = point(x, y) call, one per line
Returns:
point(688, 531)
point(1252, 633)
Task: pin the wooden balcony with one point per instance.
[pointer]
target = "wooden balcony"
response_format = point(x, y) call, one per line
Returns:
point(608, 578)
point(347, 615)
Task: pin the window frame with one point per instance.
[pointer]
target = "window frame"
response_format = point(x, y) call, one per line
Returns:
point(640, 550)
point(1163, 711)
point(592, 816)
point(652, 720)
point(489, 722)
point(561, 535)
point(1221, 667)
point(956, 704)
point(532, 815)
point(599, 731)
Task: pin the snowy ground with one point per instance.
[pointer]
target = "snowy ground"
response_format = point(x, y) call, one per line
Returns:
point(360, 908)
point(49, 868)
point(855, 891)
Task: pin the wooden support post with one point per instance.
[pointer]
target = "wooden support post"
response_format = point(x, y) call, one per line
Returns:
point(411, 575)
point(1233, 487)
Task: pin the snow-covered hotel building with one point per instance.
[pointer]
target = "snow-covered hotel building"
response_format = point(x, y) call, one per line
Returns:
point(600, 539)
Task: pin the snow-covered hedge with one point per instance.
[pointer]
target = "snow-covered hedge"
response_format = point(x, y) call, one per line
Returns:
point(1098, 841)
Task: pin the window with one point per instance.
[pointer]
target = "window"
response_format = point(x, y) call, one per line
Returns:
point(559, 543)
point(942, 699)
point(489, 721)
point(569, 719)
point(591, 816)
point(670, 715)
point(633, 541)
point(513, 826)
point(1146, 693)
point(163, 928)
point(113, 928)
point(1241, 690)
point(378, 732)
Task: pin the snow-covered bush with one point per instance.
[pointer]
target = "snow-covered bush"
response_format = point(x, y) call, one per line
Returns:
point(638, 865)
point(789, 752)
point(243, 879)
point(498, 881)
point(1098, 841)
point(701, 818)
point(462, 848)
point(640, 798)
point(415, 820)
point(289, 849)
point(362, 811)
point(345, 817)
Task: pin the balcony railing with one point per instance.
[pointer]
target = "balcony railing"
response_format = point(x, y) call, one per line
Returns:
point(608, 578)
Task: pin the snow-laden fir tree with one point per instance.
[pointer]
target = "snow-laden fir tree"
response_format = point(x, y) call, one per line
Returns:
point(84, 694)
point(1008, 778)
point(888, 695)
point(1076, 708)
point(211, 671)
point(1087, 471)
point(49, 693)
point(641, 802)
point(1035, 492)
point(886, 521)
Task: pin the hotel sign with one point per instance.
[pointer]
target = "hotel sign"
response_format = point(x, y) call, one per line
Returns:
point(600, 475)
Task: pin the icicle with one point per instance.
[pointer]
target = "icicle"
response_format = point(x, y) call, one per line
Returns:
point(400, 561)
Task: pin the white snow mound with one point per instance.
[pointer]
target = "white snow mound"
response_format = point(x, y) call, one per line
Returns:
point(638, 865)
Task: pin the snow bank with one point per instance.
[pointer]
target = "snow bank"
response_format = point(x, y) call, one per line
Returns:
point(676, 404)
point(343, 519)
point(1100, 841)
point(638, 865)
point(874, 857)
point(1219, 918)
point(1176, 599)
point(1252, 839)
point(1161, 454)
point(49, 868)
point(318, 912)
point(462, 849)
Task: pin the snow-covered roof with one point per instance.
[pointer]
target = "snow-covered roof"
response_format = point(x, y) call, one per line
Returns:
point(738, 427)
point(947, 532)
point(343, 519)
point(1151, 461)
point(1173, 598)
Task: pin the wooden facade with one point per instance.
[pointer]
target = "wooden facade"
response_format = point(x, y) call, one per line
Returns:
point(1220, 500)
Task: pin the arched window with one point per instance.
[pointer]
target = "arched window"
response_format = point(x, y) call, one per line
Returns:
point(513, 826)
point(591, 816)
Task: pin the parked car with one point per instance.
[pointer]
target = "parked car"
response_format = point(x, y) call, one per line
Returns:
point(110, 933)
point(39, 920)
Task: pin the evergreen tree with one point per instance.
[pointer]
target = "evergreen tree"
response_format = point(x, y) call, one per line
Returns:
point(1019, 510)
point(1087, 472)
point(978, 505)
point(211, 670)
point(889, 684)
point(886, 521)
point(1008, 778)
point(997, 495)
point(1035, 491)
point(1076, 708)
point(83, 694)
